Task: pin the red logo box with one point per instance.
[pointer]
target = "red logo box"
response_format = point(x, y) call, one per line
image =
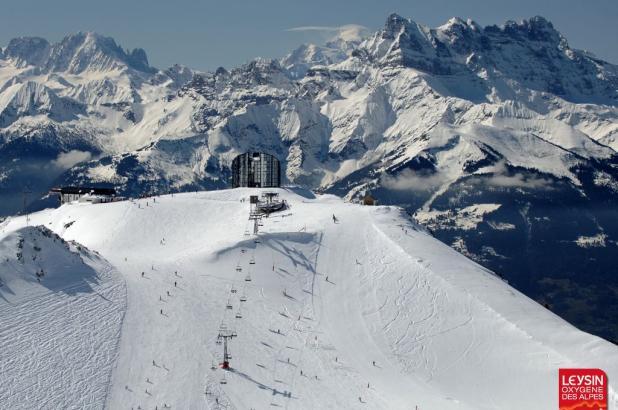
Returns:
point(582, 389)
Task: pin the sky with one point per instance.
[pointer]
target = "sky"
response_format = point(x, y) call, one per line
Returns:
point(204, 34)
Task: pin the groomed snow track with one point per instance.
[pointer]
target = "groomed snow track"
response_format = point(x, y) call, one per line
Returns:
point(366, 312)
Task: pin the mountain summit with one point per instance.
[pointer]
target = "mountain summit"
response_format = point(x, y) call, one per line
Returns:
point(501, 60)
point(75, 54)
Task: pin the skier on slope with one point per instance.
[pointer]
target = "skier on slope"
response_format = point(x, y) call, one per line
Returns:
point(334, 219)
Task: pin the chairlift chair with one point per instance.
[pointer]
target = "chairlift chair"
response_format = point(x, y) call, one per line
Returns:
point(229, 305)
point(243, 298)
point(238, 268)
point(252, 261)
point(248, 278)
point(238, 315)
point(233, 290)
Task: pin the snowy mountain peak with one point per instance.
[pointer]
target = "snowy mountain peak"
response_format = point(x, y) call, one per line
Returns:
point(75, 53)
point(89, 51)
point(490, 56)
point(24, 51)
point(338, 48)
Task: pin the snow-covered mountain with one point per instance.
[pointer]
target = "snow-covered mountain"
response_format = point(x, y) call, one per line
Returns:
point(336, 49)
point(369, 312)
point(502, 139)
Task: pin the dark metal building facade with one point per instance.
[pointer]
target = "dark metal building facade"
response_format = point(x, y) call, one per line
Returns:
point(256, 169)
point(68, 194)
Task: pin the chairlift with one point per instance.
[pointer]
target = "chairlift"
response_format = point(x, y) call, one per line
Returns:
point(229, 305)
point(248, 278)
point(252, 261)
point(223, 381)
point(243, 298)
point(238, 268)
point(238, 315)
point(218, 341)
point(233, 290)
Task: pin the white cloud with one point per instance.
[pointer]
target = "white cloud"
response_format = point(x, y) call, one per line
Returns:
point(66, 160)
point(519, 181)
point(347, 32)
point(501, 178)
point(412, 180)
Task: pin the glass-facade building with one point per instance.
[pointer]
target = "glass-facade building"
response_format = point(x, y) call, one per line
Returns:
point(257, 170)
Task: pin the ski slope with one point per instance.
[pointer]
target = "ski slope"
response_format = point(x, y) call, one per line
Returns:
point(58, 337)
point(376, 313)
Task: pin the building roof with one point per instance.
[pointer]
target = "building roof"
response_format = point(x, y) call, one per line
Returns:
point(84, 190)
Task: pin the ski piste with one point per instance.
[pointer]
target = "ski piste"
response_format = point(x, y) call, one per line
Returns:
point(334, 306)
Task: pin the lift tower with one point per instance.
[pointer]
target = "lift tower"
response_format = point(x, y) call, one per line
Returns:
point(225, 335)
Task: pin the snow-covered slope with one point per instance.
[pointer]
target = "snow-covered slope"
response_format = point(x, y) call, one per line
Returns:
point(61, 311)
point(372, 310)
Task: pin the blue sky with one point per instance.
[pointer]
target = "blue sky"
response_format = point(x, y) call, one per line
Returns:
point(206, 34)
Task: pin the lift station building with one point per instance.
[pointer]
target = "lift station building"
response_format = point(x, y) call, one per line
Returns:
point(256, 170)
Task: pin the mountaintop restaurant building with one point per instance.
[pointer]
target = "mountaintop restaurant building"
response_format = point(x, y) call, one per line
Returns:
point(68, 194)
point(256, 170)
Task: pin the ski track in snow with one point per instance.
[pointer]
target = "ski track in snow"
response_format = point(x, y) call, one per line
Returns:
point(52, 353)
point(401, 321)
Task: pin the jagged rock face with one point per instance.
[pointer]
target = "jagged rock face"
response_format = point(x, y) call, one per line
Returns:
point(26, 51)
point(530, 55)
point(411, 113)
